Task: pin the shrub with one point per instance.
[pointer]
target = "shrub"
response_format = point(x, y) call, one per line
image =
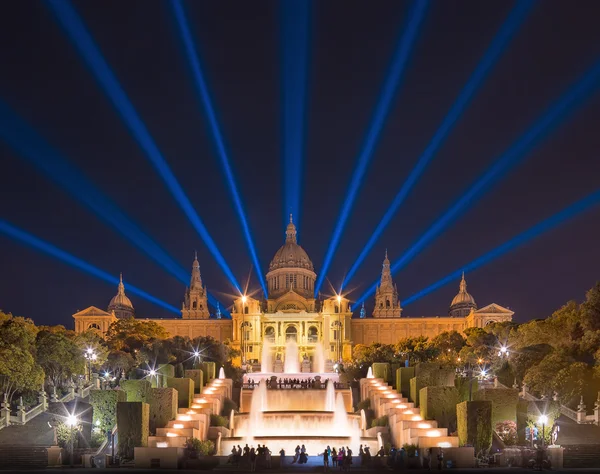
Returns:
point(217, 420)
point(411, 450)
point(507, 432)
point(364, 404)
point(195, 447)
point(381, 421)
point(98, 438)
point(228, 405)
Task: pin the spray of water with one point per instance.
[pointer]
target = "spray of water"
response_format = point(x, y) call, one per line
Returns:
point(292, 363)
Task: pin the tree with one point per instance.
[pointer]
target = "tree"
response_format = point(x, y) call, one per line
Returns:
point(59, 356)
point(447, 345)
point(18, 370)
point(131, 334)
point(119, 361)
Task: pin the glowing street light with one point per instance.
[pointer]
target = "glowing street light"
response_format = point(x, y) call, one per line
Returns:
point(91, 356)
point(543, 420)
point(72, 422)
point(503, 352)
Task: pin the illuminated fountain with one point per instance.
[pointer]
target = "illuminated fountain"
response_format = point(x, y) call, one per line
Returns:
point(283, 418)
point(266, 364)
point(319, 359)
point(291, 363)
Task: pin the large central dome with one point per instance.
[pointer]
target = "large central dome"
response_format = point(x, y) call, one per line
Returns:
point(290, 254)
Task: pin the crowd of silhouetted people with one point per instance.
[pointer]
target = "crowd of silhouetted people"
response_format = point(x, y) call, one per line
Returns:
point(288, 383)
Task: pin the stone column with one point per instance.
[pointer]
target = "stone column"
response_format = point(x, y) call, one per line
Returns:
point(43, 399)
point(597, 410)
point(21, 411)
point(5, 411)
point(581, 411)
point(54, 395)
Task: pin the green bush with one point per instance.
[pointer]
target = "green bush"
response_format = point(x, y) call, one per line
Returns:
point(163, 407)
point(411, 450)
point(133, 425)
point(185, 391)
point(210, 371)
point(98, 438)
point(474, 422)
point(439, 403)
point(381, 421)
point(462, 385)
point(136, 390)
point(195, 447)
point(228, 405)
point(403, 376)
point(382, 370)
point(364, 404)
point(217, 420)
point(104, 407)
point(504, 403)
point(507, 432)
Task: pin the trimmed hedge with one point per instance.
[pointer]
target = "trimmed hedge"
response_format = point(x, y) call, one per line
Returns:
point(504, 403)
point(136, 390)
point(163, 407)
point(462, 385)
point(414, 391)
point(185, 391)
point(133, 425)
point(210, 371)
point(434, 375)
point(403, 376)
point(228, 405)
point(439, 404)
point(198, 377)
point(393, 378)
point(382, 370)
point(165, 372)
point(104, 407)
point(474, 424)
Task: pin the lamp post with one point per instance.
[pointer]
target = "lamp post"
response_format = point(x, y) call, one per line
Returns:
point(244, 299)
point(71, 422)
point(543, 420)
point(340, 325)
point(90, 355)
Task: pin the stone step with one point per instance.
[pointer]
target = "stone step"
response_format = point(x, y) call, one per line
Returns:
point(178, 424)
point(435, 442)
point(427, 424)
point(410, 433)
point(172, 432)
point(166, 442)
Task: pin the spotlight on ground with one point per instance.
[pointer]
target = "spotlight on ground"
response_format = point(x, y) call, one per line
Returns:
point(399, 61)
point(531, 233)
point(82, 40)
point(294, 59)
point(49, 249)
point(195, 65)
point(496, 48)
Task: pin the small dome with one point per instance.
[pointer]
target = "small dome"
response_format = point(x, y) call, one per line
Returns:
point(291, 255)
point(463, 298)
point(463, 302)
point(120, 303)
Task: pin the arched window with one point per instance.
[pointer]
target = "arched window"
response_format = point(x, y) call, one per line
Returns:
point(381, 305)
point(246, 310)
point(94, 326)
point(313, 334)
point(337, 308)
point(387, 303)
point(291, 333)
point(270, 334)
point(194, 305)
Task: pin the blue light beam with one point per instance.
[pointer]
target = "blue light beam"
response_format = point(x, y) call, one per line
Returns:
point(295, 21)
point(73, 25)
point(47, 248)
point(33, 148)
point(391, 84)
point(194, 60)
point(531, 233)
point(553, 116)
point(496, 48)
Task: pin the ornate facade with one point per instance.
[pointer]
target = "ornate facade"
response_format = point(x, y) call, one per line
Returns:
point(291, 311)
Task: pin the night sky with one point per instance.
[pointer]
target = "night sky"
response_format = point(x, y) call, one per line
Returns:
point(46, 82)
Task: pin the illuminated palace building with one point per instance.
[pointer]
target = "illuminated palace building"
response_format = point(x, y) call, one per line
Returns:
point(292, 312)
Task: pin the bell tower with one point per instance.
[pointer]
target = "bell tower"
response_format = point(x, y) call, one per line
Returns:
point(387, 304)
point(195, 304)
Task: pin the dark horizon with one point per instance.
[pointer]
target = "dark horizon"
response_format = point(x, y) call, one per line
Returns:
point(349, 53)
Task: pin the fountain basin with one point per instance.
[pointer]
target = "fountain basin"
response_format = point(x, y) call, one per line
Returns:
point(294, 399)
point(298, 424)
